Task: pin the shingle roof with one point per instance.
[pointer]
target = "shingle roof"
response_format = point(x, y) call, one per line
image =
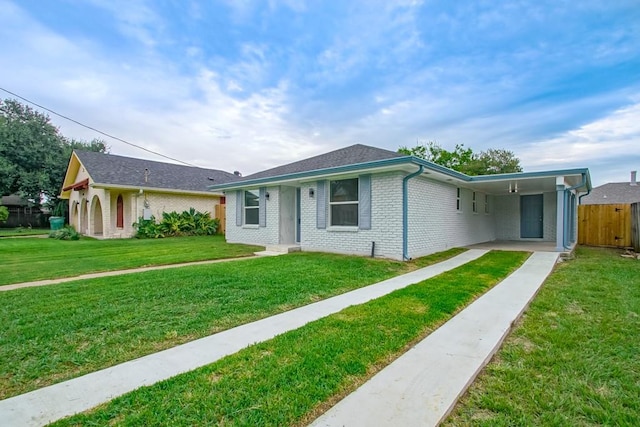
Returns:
point(613, 193)
point(345, 156)
point(118, 170)
point(13, 200)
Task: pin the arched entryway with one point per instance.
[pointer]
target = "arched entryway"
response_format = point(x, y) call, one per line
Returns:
point(84, 217)
point(74, 215)
point(96, 216)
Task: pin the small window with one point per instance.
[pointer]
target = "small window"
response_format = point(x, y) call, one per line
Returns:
point(251, 207)
point(486, 203)
point(458, 199)
point(474, 203)
point(343, 201)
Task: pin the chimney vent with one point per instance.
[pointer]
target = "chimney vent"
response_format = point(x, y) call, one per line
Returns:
point(633, 178)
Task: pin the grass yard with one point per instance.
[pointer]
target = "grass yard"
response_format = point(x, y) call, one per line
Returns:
point(53, 333)
point(574, 359)
point(26, 260)
point(21, 231)
point(294, 377)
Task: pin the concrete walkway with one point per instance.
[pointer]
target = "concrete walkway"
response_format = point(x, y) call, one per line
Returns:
point(116, 273)
point(51, 403)
point(421, 387)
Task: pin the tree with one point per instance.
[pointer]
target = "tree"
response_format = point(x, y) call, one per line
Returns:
point(33, 153)
point(4, 213)
point(492, 161)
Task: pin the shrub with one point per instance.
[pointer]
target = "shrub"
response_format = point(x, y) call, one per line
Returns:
point(4, 213)
point(65, 233)
point(187, 223)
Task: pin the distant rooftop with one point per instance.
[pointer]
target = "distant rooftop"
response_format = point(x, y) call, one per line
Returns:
point(614, 193)
point(129, 171)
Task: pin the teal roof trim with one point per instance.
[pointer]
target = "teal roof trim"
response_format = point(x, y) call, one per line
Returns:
point(539, 174)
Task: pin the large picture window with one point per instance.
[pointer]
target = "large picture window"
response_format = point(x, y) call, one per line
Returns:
point(251, 207)
point(343, 202)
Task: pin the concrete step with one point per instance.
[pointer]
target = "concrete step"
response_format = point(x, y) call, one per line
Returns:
point(275, 250)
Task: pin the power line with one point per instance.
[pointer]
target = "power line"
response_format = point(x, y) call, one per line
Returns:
point(95, 130)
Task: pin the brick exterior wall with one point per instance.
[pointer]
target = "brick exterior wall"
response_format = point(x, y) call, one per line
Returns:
point(386, 222)
point(435, 224)
point(253, 234)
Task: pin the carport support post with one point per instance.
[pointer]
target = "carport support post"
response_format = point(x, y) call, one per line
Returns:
point(560, 206)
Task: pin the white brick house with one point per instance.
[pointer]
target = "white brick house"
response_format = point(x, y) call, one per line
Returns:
point(362, 199)
point(107, 193)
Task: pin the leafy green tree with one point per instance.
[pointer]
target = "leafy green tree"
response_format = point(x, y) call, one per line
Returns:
point(4, 213)
point(492, 161)
point(33, 153)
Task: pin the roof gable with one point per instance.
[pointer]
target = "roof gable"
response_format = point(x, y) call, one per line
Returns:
point(109, 169)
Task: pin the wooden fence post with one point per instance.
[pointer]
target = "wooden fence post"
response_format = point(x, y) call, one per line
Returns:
point(635, 226)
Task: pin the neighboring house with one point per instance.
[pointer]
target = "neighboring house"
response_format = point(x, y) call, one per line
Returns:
point(108, 193)
point(362, 199)
point(22, 213)
point(614, 193)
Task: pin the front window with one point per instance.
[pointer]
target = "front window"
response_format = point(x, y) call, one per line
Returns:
point(251, 207)
point(343, 201)
point(474, 202)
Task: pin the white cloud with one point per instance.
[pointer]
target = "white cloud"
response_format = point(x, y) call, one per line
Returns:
point(604, 138)
point(135, 19)
point(250, 112)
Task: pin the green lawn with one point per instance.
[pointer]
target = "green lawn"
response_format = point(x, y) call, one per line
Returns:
point(37, 259)
point(574, 359)
point(53, 333)
point(21, 231)
point(292, 378)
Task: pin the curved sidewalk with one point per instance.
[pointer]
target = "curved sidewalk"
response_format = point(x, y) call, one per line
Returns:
point(421, 387)
point(48, 404)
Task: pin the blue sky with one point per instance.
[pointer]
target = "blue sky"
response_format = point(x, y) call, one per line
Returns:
point(246, 85)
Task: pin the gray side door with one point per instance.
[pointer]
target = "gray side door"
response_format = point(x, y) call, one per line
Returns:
point(531, 216)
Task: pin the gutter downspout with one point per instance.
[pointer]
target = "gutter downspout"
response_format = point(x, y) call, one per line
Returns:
point(566, 199)
point(582, 195)
point(405, 213)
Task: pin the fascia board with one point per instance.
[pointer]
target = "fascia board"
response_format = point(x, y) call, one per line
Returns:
point(154, 189)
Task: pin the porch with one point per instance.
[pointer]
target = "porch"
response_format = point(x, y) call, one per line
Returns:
point(522, 245)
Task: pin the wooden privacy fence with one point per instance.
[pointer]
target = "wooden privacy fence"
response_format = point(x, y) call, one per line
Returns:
point(635, 226)
point(221, 214)
point(604, 225)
